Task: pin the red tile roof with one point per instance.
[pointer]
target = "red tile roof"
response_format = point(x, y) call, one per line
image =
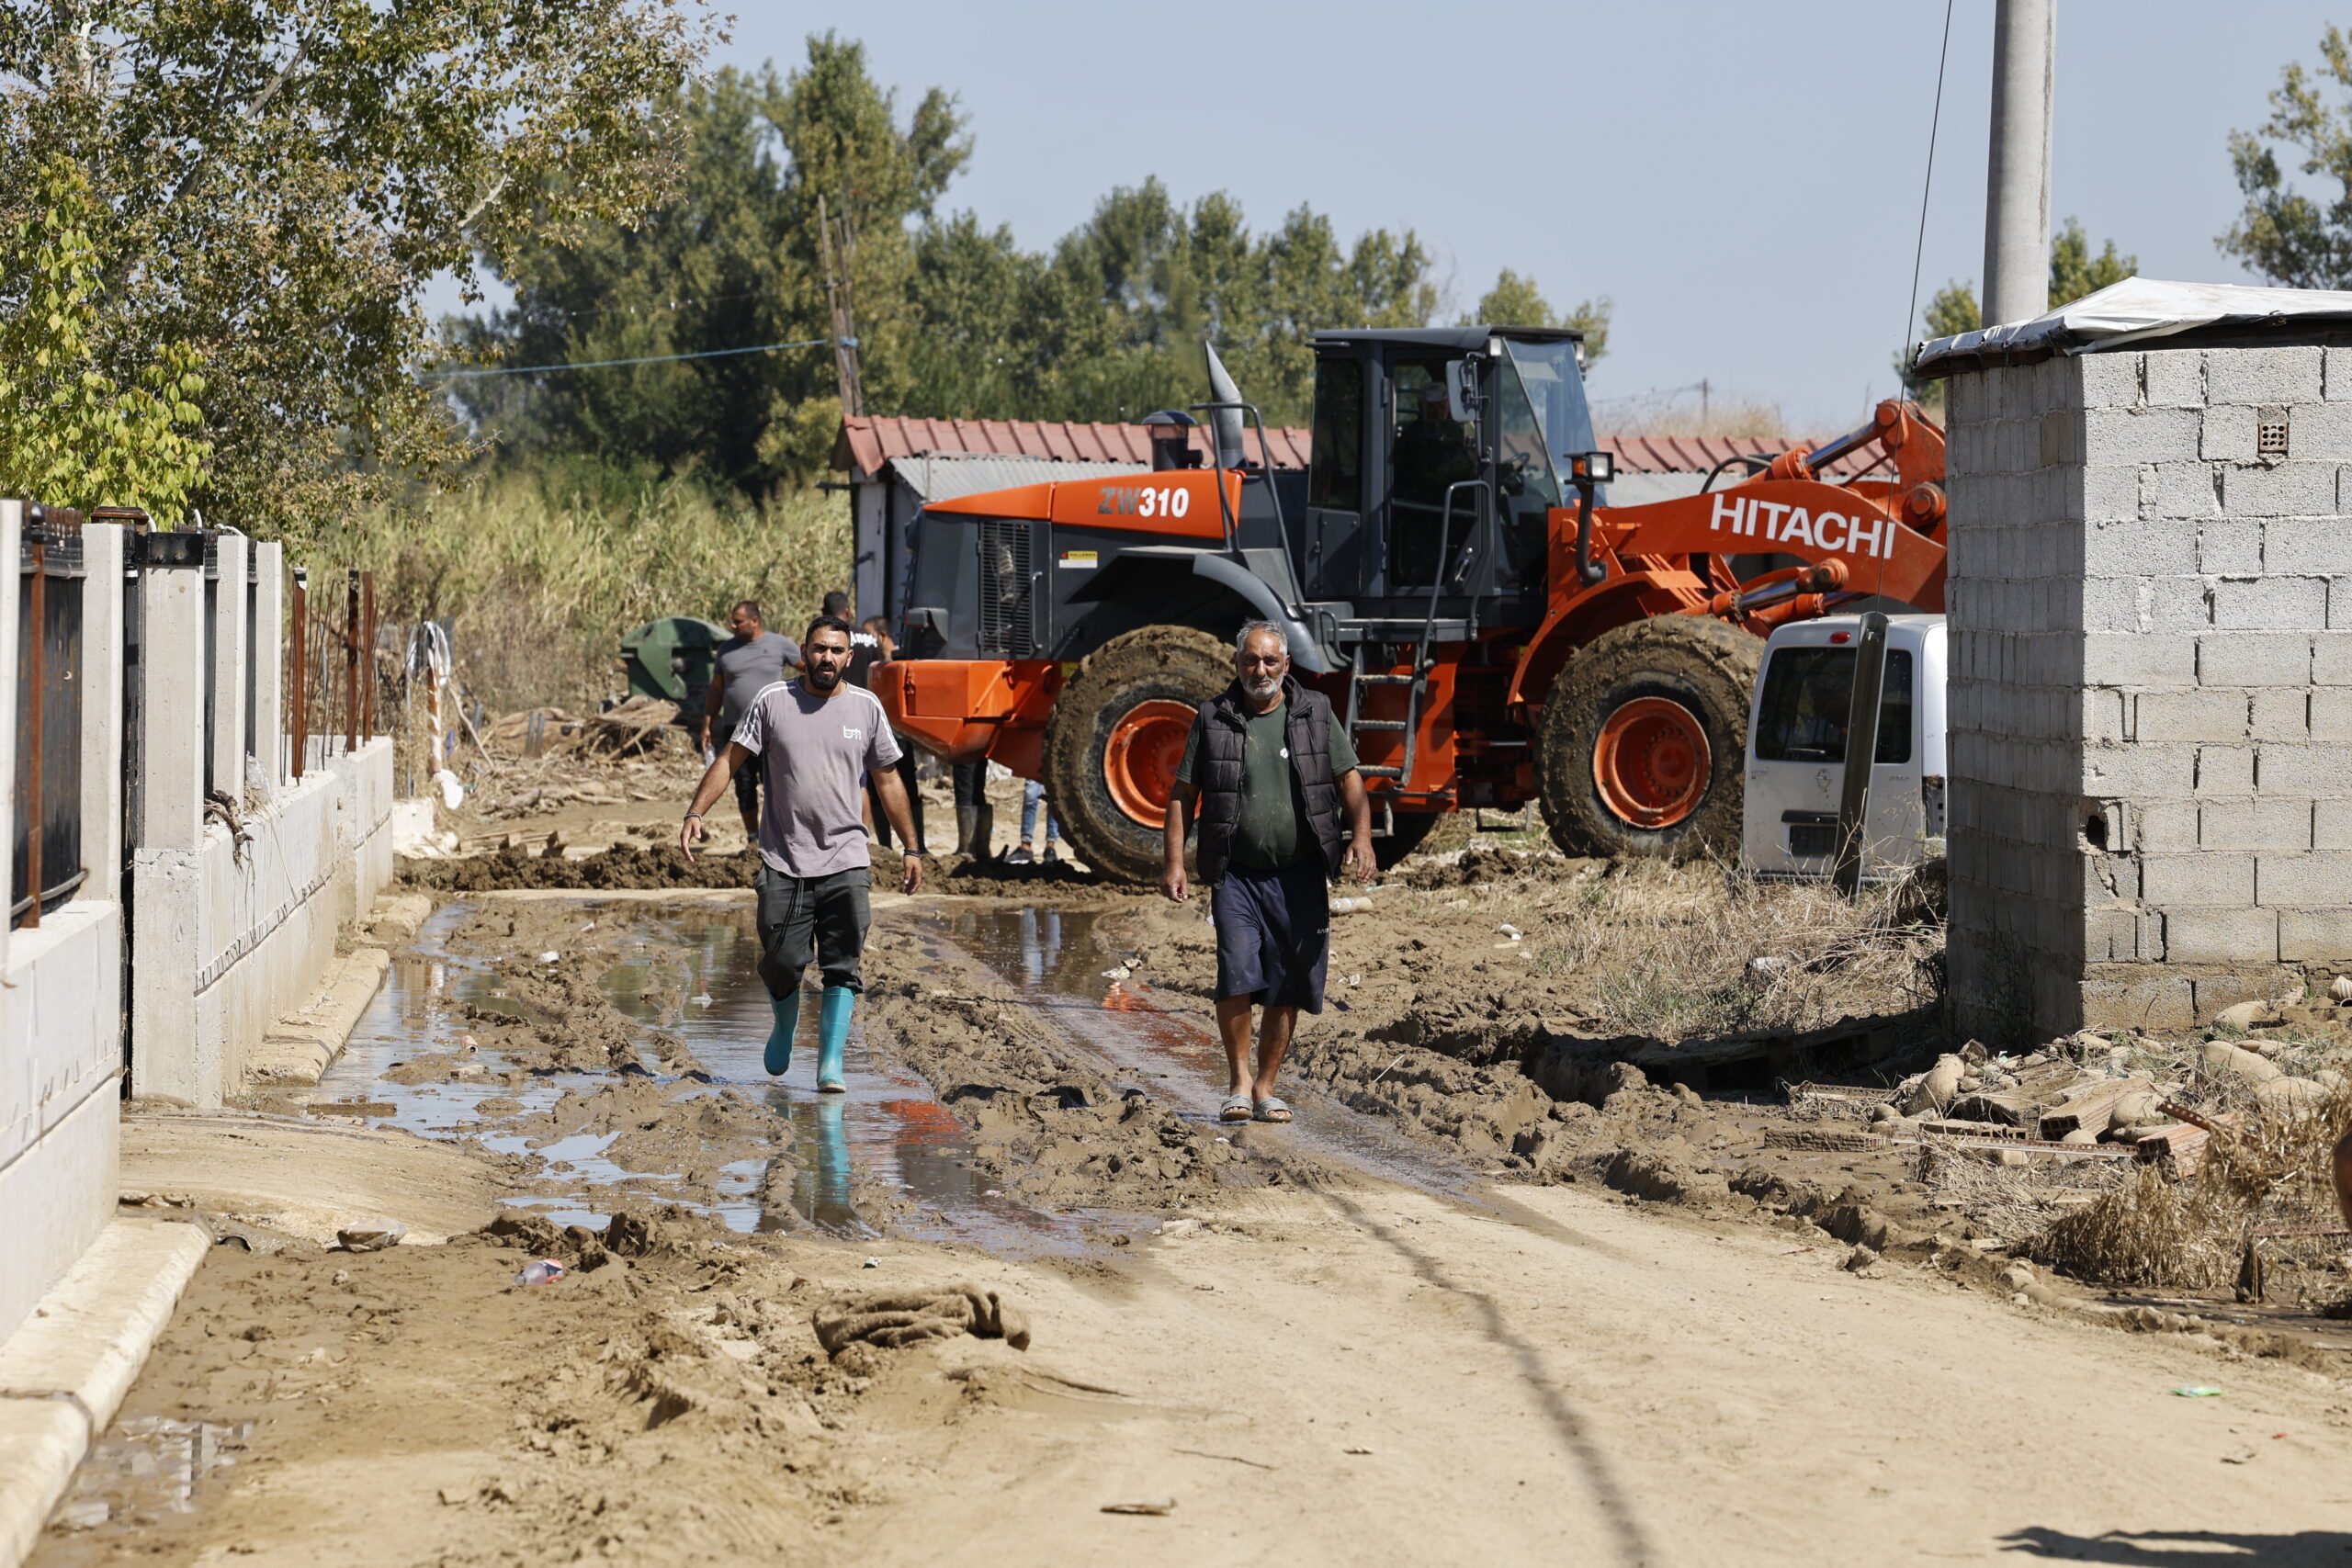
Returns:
point(869, 442)
point(1697, 454)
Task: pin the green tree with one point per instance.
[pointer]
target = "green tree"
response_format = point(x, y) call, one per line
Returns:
point(71, 433)
point(1515, 302)
point(2282, 234)
point(2075, 272)
point(277, 181)
point(730, 261)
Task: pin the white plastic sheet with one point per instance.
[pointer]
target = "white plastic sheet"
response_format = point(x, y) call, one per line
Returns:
point(2135, 310)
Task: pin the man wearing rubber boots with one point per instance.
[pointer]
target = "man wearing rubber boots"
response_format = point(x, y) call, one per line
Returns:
point(817, 739)
point(1271, 770)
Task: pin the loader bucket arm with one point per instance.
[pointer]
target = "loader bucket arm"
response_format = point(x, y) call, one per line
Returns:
point(1882, 532)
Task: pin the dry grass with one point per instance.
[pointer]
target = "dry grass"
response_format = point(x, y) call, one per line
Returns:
point(1683, 415)
point(1680, 953)
point(2019, 1206)
point(2150, 1231)
point(542, 571)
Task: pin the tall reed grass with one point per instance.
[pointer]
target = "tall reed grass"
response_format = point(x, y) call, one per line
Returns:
point(541, 570)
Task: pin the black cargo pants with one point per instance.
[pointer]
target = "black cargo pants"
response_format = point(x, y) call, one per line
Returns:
point(803, 917)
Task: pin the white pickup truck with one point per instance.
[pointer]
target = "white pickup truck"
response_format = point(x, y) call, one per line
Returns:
point(1796, 749)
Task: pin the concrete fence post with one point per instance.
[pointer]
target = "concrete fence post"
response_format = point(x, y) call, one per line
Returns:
point(165, 882)
point(228, 672)
point(268, 634)
point(12, 525)
point(101, 675)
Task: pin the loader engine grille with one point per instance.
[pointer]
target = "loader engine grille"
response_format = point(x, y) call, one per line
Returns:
point(1007, 598)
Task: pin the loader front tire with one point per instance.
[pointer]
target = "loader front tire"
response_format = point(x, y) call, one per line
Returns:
point(1643, 743)
point(1117, 731)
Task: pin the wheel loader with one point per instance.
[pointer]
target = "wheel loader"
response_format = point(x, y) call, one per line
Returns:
point(1447, 572)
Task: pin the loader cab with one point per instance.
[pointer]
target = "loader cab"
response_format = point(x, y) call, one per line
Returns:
point(1437, 455)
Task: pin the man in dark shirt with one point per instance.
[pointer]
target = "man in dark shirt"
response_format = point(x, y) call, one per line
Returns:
point(1272, 835)
point(749, 663)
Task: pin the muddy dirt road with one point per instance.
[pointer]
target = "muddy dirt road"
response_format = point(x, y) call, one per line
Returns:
point(1343, 1342)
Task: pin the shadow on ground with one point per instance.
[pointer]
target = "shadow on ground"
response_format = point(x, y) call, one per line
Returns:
point(2184, 1549)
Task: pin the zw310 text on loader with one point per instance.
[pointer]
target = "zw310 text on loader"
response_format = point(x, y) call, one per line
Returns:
point(1490, 632)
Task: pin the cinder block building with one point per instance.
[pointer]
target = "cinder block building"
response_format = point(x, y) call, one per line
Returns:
point(2150, 596)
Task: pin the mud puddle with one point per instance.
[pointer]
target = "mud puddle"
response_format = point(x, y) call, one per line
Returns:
point(886, 1154)
point(1065, 969)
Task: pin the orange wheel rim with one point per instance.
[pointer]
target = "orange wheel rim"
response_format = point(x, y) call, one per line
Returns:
point(1139, 759)
point(1651, 762)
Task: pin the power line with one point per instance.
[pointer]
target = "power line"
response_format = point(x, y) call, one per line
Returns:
point(647, 359)
point(1935, 120)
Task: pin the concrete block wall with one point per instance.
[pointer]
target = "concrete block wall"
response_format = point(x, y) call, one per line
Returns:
point(2151, 617)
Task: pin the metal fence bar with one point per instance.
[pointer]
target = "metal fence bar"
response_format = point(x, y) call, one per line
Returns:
point(351, 662)
point(298, 671)
point(35, 700)
point(368, 641)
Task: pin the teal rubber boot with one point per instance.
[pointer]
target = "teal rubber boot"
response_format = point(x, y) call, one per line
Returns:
point(832, 1038)
point(788, 1022)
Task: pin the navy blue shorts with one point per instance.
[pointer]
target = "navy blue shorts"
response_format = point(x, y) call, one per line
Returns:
point(1273, 935)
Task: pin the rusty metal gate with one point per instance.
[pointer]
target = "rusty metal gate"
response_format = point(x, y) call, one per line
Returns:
point(46, 847)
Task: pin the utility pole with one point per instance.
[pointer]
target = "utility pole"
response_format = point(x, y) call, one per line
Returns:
point(2016, 202)
point(837, 301)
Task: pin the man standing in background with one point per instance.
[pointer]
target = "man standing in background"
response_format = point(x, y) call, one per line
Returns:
point(749, 663)
point(873, 646)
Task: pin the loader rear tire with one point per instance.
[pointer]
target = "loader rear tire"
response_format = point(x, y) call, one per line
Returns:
point(1116, 733)
point(1643, 743)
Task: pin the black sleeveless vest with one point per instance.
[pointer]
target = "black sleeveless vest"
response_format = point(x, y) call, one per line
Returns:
point(1308, 732)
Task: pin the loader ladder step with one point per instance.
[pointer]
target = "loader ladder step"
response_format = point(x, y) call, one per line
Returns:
point(1382, 724)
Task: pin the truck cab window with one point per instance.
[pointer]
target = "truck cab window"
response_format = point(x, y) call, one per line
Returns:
point(1431, 450)
point(1335, 479)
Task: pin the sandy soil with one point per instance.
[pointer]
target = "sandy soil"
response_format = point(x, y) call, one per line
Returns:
point(1462, 1312)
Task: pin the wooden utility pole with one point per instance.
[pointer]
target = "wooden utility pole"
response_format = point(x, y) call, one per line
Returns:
point(838, 256)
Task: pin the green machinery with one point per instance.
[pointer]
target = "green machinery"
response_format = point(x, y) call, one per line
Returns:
point(672, 658)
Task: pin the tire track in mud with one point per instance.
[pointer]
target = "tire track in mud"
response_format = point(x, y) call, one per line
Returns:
point(1033, 1069)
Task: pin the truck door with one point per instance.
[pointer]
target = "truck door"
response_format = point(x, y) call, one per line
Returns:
point(1435, 504)
point(1797, 762)
point(1016, 611)
point(1335, 481)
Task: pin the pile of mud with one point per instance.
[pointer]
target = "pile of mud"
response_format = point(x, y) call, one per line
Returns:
point(1488, 863)
point(993, 877)
point(622, 866)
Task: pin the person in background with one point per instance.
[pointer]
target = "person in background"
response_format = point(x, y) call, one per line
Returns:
point(748, 663)
point(1033, 797)
point(869, 646)
point(816, 739)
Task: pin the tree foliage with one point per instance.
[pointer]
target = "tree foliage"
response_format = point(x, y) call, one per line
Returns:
point(953, 318)
point(2282, 234)
point(1515, 302)
point(72, 434)
point(276, 180)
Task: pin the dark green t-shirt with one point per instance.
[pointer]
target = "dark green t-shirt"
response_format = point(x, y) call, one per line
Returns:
point(1272, 834)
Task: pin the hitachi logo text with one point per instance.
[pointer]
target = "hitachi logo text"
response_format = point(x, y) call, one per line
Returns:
point(1787, 524)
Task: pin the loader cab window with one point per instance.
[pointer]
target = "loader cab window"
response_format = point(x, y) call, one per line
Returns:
point(1335, 471)
point(1429, 450)
point(1808, 693)
point(1528, 389)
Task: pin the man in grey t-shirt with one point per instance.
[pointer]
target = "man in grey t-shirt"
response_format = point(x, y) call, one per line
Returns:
point(818, 740)
point(748, 663)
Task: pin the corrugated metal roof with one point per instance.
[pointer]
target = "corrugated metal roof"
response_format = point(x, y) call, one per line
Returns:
point(935, 476)
point(869, 442)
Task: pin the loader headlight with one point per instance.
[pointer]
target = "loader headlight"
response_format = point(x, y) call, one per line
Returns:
point(1600, 467)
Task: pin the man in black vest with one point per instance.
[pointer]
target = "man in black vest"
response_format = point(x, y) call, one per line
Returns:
point(1270, 770)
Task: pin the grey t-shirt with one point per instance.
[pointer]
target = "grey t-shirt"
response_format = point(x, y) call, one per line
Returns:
point(814, 753)
point(748, 668)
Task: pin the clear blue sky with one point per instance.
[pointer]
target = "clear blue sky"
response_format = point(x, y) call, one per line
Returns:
point(1743, 179)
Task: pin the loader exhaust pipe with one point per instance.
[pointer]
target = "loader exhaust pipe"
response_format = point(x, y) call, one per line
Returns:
point(1224, 423)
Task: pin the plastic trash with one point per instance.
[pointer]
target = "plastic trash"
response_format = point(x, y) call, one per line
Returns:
point(1114, 975)
point(550, 956)
point(1509, 931)
point(1142, 1506)
point(2198, 1391)
point(453, 794)
point(1350, 906)
point(546, 1271)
